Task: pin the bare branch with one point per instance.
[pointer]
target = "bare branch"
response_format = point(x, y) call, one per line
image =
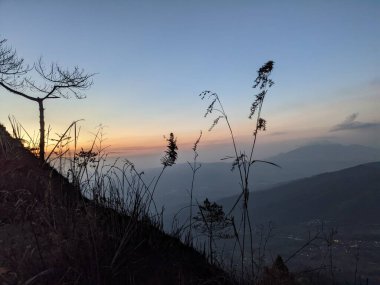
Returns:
point(11, 67)
point(61, 83)
point(14, 91)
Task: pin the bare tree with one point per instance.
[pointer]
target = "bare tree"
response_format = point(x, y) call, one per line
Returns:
point(11, 66)
point(54, 83)
point(212, 222)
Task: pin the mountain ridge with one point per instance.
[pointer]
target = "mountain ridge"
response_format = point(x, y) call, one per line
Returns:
point(216, 180)
point(339, 187)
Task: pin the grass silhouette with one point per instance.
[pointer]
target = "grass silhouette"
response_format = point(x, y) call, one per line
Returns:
point(94, 227)
point(243, 161)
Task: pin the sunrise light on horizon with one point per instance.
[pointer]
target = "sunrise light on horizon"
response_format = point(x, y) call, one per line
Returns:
point(153, 58)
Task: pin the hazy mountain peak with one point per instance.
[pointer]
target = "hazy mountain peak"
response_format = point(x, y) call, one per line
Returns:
point(331, 151)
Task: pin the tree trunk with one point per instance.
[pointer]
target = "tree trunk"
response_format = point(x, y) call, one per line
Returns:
point(42, 130)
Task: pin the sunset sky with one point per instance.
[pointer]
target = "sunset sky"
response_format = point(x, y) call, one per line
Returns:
point(153, 58)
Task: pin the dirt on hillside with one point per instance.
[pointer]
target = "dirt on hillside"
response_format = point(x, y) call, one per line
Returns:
point(50, 234)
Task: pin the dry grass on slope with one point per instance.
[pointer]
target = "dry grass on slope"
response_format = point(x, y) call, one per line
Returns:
point(50, 234)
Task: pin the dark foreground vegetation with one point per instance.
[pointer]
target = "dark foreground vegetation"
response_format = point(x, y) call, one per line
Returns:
point(51, 234)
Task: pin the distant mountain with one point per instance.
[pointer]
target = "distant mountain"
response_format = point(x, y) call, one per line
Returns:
point(297, 198)
point(327, 152)
point(311, 160)
point(348, 196)
point(216, 180)
point(347, 200)
point(212, 180)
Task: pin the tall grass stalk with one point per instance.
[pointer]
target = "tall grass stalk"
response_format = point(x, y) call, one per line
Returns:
point(242, 161)
point(169, 159)
point(194, 166)
point(19, 133)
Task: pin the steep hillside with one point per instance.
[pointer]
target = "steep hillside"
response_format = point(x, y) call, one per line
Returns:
point(49, 234)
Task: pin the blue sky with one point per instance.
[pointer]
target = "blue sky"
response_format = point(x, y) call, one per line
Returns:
point(152, 58)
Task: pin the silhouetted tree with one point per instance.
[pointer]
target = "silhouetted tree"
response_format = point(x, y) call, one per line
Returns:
point(55, 82)
point(278, 273)
point(213, 223)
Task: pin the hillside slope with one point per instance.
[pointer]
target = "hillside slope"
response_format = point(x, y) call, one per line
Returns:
point(49, 234)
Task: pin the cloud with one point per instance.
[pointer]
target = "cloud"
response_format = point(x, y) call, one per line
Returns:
point(375, 82)
point(350, 123)
point(278, 133)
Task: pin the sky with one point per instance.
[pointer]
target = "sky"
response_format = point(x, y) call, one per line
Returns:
point(153, 58)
